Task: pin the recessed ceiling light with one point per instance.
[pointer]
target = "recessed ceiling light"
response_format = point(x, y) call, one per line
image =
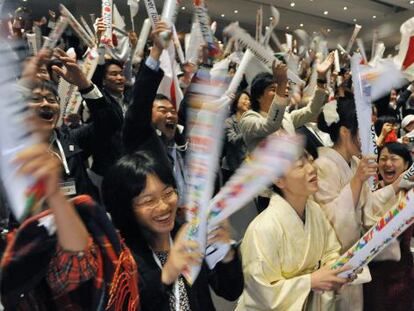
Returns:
point(412, 2)
point(267, 27)
point(325, 12)
point(301, 25)
point(354, 19)
point(222, 15)
point(328, 30)
point(236, 11)
point(271, 18)
point(287, 27)
point(292, 4)
point(374, 16)
point(345, 8)
point(183, 8)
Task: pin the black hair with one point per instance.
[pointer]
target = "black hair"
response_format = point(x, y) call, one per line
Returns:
point(398, 149)
point(382, 120)
point(233, 107)
point(110, 62)
point(260, 82)
point(48, 86)
point(347, 118)
point(101, 71)
point(126, 180)
point(161, 97)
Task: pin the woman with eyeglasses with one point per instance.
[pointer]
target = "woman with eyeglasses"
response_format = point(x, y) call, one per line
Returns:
point(392, 271)
point(139, 193)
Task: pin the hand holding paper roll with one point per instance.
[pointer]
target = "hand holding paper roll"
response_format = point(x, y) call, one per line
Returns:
point(157, 39)
point(325, 65)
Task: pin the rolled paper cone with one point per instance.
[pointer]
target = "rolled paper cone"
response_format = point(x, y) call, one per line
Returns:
point(39, 36)
point(142, 39)
point(386, 230)
point(264, 55)
point(107, 9)
point(238, 77)
point(337, 65)
point(152, 11)
point(374, 43)
point(32, 43)
point(353, 38)
point(204, 21)
point(259, 24)
point(361, 48)
point(289, 39)
point(56, 34)
point(87, 28)
point(341, 48)
point(275, 15)
point(76, 26)
point(178, 47)
point(169, 12)
point(213, 27)
point(93, 18)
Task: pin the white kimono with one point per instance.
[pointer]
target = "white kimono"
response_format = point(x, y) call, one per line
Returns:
point(349, 221)
point(279, 253)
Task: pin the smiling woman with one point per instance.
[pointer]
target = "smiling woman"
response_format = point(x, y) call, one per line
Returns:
point(139, 192)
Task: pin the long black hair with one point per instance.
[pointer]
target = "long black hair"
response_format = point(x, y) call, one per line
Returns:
point(125, 181)
point(234, 104)
point(398, 149)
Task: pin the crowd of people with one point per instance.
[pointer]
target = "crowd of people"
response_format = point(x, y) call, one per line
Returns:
point(112, 234)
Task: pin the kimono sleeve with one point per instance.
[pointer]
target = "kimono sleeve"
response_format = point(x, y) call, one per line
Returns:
point(265, 286)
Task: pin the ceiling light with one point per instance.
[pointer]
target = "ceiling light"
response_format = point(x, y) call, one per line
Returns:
point(271, 18)
point(374, 16)
point(267, 27)
point(301, 25)
point(222, 15)
point(183, 8)
point(345, 8)
point(325, 12)
point(287, 27)
point(236, 11)
point(412, 2)
point(354, 19)
point(292, 4)
point(328, 30)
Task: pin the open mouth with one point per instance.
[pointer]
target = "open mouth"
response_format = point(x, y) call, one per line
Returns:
point(163, 219)
point(170, 125)
point(46, 113)
point(389, 174)
point(314, 179)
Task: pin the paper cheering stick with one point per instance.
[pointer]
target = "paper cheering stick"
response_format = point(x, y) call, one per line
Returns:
point(270, 160)
point(361, 48)
point(32, 43)
point(264, 55)
point(178, 47)
point(169, 12)
point(279, 45)
point(204, 21)
point(353, 38)
point(87, 27)
point(337, 66)
point(205, 123)
point(142, 40)
point(107, 9)
point(24, 193)
point(259, 24)
point(386, 230)
point(77, 27)
point(374, 43)
point(60, 27)
point(241, 70)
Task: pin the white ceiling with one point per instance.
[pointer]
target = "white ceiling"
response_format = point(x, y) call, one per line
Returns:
point(389, 14)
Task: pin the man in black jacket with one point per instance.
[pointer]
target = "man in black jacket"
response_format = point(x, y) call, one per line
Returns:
point(151, 120)
point(73, 147)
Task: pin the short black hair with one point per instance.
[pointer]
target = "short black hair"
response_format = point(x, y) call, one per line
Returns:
point(233, 107)
point(260, 82)
point(398, 149)
point(126, 180)
point(47, 85)
point(160, 96)
point(347, 117)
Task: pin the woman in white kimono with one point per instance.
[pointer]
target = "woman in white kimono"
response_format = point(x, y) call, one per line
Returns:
point(288, 249)
point(344, 193)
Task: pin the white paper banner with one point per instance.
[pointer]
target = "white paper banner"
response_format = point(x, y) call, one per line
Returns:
point(106, 38)
point(353, 38)
point(56, 34)
point(269, 161)
point(387, 229)
point(76, 26)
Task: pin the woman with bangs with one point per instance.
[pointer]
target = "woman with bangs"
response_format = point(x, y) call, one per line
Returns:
point(139, 193)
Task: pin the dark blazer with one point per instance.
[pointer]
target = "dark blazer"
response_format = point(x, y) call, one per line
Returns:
point(225, 279)
point(138, 132)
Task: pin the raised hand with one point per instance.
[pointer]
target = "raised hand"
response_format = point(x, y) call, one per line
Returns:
point(323, 67)
point(71, 72)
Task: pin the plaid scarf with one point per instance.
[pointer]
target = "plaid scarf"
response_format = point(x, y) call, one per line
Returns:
point(30, 249)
